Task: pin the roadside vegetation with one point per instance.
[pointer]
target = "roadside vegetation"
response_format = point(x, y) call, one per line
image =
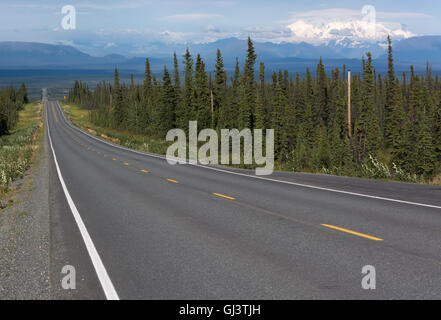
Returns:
point(81, 118)
point(396, 120)
point(20, 142)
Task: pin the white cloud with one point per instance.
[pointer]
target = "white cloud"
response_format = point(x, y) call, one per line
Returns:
point(105, 5)
point(343, 13)
point(403, 15)
point(211, 28)
point(355, 30)
point(194, 37)
point(192, 16)
point(111, 5)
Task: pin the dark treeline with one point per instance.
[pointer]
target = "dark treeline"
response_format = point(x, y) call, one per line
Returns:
point(11, 101)
point(396, 119)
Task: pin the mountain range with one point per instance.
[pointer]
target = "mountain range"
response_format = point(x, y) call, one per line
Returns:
point(292, 56)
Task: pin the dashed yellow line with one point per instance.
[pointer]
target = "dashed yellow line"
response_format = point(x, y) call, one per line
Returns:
point(55, 114)
point(224, 196)
point(126, 163)
point(352, 232)
point(114, 159)
point(145, 171)
point(174, 181)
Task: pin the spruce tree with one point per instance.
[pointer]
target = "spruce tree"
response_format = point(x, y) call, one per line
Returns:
point(176, 75)
point(219, 89)
point(396, 122)
point(23, 95)
point(425, 153)
point(437, 134)
point(230, 115)
point(279, 106)
point(164, 117)
point(321, 96)
point(260, 100)
point(391, 98)
point(368, 129)
point(202, 96)
point(186, 111)
point(249, 89)
point(118, 103)
point(147, 89)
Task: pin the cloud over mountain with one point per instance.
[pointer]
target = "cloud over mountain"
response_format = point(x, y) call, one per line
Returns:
point(345, 27)
point(352, 32)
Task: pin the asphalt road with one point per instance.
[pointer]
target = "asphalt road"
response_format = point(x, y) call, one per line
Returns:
point(190, 232)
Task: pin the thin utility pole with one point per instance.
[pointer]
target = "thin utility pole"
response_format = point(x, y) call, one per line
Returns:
point(349, 104)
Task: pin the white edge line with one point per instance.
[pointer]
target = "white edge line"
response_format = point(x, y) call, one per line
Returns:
point(250, 176)
point(100, 270)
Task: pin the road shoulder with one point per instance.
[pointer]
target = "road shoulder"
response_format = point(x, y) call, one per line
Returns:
point(24, 236)
point(38, 237)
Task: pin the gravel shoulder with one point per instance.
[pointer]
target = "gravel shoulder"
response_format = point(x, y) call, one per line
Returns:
point(38, 236)
point(25, 235)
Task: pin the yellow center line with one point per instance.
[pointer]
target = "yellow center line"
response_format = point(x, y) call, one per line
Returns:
point(114, 159)
point(174, 181)
point(55, 114)
point(353, 232)
point(126, 163)
point(145, 171)
point(224, 196)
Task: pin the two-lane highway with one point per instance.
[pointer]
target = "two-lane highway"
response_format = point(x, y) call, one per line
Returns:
point(159, 231)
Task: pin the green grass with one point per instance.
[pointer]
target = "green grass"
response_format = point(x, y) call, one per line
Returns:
point(30, 115)
point(17, 148)
point(80, 118)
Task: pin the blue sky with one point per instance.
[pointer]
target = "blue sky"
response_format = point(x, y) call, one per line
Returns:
point(104, 26)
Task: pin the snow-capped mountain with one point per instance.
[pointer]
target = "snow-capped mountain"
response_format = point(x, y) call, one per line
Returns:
point(351, 34)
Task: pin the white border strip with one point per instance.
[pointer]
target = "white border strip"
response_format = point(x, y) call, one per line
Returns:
point(255, 177)
point(101, 272)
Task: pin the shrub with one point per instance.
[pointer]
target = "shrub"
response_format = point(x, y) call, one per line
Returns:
point(15, 155)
